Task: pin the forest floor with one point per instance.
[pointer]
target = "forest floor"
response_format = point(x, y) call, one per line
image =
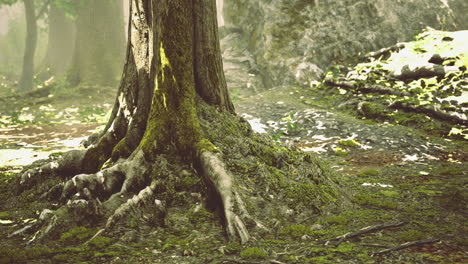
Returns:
point(406, 173)
point(398, 176)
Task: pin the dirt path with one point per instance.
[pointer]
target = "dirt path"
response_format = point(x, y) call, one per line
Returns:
point(21, 146)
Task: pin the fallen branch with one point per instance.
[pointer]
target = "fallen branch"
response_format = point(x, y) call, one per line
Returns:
point(365, 230)
point(374, 88)
point(406, 245)
point(385, 51)
point(433, 112)
point(422, 70)
point(374, 245)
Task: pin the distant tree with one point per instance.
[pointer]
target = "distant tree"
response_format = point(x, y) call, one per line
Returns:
point(26, 82)
point(61, 39)
point(99, 43)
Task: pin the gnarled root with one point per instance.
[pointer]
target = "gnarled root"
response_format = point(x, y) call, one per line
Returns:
point(69, 163)
point(235, 213)
point(103, 183)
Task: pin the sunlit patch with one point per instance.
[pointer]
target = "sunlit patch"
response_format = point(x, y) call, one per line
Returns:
point(377, 185)
point(5, 222)
point(320, 148)
point(21, 157)
point(257, 126)
point(411, 158)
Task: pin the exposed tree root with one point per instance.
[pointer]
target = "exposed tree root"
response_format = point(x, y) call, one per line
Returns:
point(216, 174)
point(365, 230)
point(143, 188)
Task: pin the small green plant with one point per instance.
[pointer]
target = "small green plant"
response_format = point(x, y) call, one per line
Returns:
point(77, 233)
point(337, 220)
point(410, 235)
point(368, 173)
point(340, 152)
point(253, 253)
point(294, 231)
point(291, 124)
point(349, 143)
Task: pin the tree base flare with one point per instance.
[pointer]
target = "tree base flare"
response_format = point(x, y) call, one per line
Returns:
point(254, 183)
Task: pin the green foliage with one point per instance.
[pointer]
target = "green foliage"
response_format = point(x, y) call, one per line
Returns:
point(200, 215)
point(8, 255)
point(292, 127)
point(416, 102)
point(69, 6)
point(253, 253)
point(449, 171)
point(463, 132)
point(368, 173)
point(8, 2)
point(410, 235)
point(77, 233)
point(99, 242)
point(370, 200)
point(294, 231)
point(338, 220)
point(349, 143)
point(340, 152)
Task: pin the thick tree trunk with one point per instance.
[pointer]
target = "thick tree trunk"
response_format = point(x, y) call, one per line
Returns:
point(27, 75)
point(60, 44)
point(99, 43)
point(173, 120)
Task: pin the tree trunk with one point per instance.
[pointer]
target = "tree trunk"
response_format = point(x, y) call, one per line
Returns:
point(99, 43)
point(60, 43)
point(27, 75)
point(172, 124)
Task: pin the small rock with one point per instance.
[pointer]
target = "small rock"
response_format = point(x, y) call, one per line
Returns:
point(316, 227)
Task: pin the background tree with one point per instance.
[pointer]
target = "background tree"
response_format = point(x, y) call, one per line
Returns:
point(99, 42)
point(173, 131)
point(26, 82)
point(61, 39)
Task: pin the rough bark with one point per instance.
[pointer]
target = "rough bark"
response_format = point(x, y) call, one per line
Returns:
point(99, 43)
point(208, 61)
point(60, 46)
point(26, 82)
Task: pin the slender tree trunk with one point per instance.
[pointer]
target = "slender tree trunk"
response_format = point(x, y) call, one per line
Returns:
point(60, 44)
point(99, 43)
point(26, 82)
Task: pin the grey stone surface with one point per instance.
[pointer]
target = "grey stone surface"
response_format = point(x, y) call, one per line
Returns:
point(291, 41)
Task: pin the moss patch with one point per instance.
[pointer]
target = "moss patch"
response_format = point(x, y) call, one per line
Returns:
point(253, 253)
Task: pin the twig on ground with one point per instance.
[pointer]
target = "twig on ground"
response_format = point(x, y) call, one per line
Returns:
point(406, 245)
point(365, 230)
point(374, 245)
